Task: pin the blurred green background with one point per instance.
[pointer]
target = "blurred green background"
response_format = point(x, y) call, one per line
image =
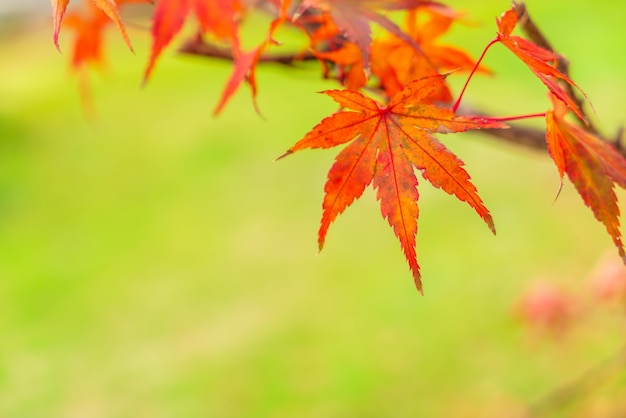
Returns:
point(155, 262)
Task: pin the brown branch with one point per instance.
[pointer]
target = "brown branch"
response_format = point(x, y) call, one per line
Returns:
point(521, 135)
point(197, 46)
point(533, 138)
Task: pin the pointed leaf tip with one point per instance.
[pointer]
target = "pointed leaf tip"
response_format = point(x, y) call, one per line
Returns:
point(284, 154)
point(58, 10)
point(109, 7)
point(418, 284)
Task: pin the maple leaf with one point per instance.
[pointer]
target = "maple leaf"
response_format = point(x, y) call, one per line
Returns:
point(386, 144)
point(540, 61)
point(591, 164)
point(87, 51)
point(87, 46)
point(396, 62)
point(350, 62)
point(218, 17)
point(58, 10)
point(245, 62)
point(353, 18)
point(244, 69)
point(108, 7)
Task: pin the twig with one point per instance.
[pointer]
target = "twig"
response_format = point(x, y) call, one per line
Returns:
point(517, 134)
point(197, 46)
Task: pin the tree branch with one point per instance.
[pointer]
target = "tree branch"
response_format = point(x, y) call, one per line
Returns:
point(533, 138)
point(197, 46)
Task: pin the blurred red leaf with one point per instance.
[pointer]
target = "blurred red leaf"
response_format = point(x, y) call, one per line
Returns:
point(108, 7)
point(218, 17)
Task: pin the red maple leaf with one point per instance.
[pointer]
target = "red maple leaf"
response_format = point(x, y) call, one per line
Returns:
point(244, 63)
point(108, 7)
point(218, 17)
point(244, 69)
point(349, 61)
point(89, 28)
point(353, 18)
point(87, 51)
point(592, 165)
point(540, 61)
point(397, 62)
point(386, 144)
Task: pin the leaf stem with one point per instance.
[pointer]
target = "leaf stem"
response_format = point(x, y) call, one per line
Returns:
point(458, 101)
point(520, 117)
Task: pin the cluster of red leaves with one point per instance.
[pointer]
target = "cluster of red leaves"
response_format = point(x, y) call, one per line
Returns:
point(389, 140)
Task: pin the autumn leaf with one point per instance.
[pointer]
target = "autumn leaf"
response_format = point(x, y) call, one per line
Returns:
point(244, 65)
point(592, 165)
point(350, 63)
point(396, 62)
point(540, 61)
point(218, 17)
point(353, 18)
point(89, 28)
point(108, 7)
point(386, 143)
point(58, 10)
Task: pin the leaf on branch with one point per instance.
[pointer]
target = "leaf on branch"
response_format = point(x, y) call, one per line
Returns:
point(217, 17)
point(108, 7)
point(58, 10)
point(350, 62)
point(244, 69)
point(541, 62)
point(89, 28)
point(386, 144)
point(396, 62)
point(245, 63)
point(353, 17)
point(592, 165)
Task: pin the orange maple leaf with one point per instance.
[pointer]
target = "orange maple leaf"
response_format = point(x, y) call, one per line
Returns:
point(58, 10)
point(540, 61)
point(353, 18)
point(108, 7)
point(244, 68)
point(218, 17)
point(591, 164)
point(386, 144)
point(396, 62)
point(87, 46)
point(87, 49)
point(244, 63)
point(350, 63)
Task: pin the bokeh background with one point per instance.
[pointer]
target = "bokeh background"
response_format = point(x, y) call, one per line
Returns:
point(155, 261)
